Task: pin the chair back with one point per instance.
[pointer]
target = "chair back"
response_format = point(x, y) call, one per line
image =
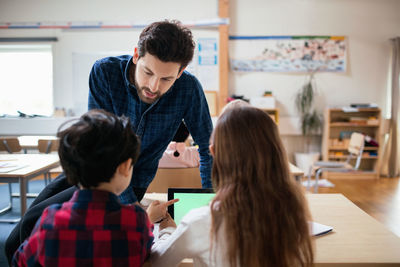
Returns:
point(48, 145)
point(356, 147)
point(10, 144)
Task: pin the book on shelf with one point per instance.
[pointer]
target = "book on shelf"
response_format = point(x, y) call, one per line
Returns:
point(369, 141)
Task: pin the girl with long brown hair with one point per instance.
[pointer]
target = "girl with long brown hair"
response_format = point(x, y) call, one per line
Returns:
point(258, 217)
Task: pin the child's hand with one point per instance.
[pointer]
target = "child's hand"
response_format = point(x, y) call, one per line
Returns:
point(158, 210)
point(167, 222)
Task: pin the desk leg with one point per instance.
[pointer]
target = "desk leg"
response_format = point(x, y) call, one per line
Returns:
point(22, 197)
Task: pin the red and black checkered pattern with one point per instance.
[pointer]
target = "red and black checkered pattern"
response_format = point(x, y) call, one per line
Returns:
point(92, 229)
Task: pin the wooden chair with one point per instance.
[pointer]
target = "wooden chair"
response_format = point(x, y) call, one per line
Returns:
point(355, 150)
point(10, 145)
point(47, 146)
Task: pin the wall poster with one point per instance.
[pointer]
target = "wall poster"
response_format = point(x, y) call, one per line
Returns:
point(205, 63)
point(288, 53)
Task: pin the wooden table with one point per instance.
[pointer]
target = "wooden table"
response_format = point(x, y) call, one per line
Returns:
point(357, 239)
point(27, 166)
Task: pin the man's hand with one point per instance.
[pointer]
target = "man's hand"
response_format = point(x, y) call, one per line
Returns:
point(167, 222)
point(158, 210)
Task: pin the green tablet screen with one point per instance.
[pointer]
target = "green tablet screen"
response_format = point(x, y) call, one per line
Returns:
point(191, 199)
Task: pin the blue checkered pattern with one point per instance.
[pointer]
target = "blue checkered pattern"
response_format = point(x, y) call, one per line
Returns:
point(155, 124)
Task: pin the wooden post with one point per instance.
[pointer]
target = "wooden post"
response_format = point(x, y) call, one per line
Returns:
point(223, 12)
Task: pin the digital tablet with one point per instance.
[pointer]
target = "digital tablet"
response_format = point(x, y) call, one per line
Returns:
point(189, 198)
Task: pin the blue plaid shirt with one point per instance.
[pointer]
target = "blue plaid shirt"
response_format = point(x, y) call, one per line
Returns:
point(155, 124)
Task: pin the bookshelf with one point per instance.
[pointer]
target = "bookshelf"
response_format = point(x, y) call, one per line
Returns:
point(338, 127)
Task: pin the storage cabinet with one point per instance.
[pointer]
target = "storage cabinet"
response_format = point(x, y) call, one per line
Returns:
point(273, 113)
point(338, 126)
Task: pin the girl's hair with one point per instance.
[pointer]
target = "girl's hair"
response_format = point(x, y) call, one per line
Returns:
point(92, 148)
point(263, 211)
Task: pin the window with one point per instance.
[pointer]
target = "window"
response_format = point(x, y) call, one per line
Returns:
point(26, 79)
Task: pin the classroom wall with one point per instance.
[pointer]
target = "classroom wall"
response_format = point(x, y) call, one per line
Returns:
point(105, 10)
point(368, 25)
point(76, 50)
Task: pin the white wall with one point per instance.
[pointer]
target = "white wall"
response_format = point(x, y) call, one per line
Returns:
point(79, 46)
point(368, 25)
point(105, 10)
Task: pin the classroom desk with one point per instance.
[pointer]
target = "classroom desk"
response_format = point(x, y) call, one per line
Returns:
point(357, 238)
point(27, 167)
point(31, 141)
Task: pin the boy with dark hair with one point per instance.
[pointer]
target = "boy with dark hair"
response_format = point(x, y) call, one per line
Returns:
point(97, 154)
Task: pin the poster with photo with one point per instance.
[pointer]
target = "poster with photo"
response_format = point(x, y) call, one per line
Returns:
point(288, 53)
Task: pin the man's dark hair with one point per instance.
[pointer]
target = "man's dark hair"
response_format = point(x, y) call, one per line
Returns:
point(92, 148)
point(169, 41)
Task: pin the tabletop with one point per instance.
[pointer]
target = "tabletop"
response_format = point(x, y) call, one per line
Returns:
point(21, 165)
point(357, 239)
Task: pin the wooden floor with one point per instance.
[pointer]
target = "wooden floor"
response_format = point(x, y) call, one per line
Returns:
point(379, 198)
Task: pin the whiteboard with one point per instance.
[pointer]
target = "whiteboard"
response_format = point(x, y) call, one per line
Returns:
point(81, 66)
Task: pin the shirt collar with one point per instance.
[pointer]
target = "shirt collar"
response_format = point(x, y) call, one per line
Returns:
point(126, 74)
point(93, 195)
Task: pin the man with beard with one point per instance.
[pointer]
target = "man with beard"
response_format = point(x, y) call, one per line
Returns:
point(153, 90)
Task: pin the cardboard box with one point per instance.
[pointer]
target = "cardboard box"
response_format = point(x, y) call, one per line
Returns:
point(263, 102)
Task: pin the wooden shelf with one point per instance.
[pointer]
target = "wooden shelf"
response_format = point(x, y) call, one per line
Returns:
point(349, 124)
point(345, 157)
point(339, 125)
point(368, 148)
point(357, 110)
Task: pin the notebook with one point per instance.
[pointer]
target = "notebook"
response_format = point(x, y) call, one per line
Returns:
point(317, 229)
point(191, 198)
